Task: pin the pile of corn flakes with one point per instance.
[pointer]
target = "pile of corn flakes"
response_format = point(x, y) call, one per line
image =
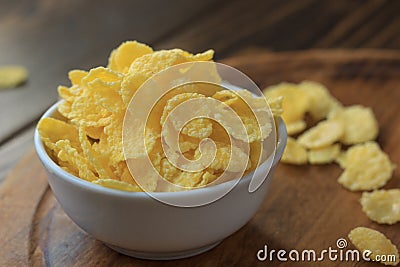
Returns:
point(366, 167)
point(85, 138)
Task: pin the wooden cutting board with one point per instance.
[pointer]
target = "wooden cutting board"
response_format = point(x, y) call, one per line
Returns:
point(305, 209)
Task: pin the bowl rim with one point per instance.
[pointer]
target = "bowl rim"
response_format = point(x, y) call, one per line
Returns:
point(88, 186)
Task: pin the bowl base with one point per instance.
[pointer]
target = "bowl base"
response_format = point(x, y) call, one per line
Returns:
point(163, 255)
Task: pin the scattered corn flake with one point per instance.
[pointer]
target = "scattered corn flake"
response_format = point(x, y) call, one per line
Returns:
point(295, 127)
point(295, 101)
point(323, 134)
point(294, 153)
point(321, 102)
point(378, 244)
point(382, 206)
point(341, 159)
point(12, 76)
point(359, 124)
point(367, 167)
point(324, 155)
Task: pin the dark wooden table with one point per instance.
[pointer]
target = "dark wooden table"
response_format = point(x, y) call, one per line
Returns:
point(52, 37)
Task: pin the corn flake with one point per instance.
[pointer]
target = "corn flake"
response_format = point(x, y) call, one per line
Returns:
point(323, 134)
point(70, 158)
point(367, 167)
point(96, 99)
point(196, 128)
point(359, 124)
point(130, 84)
point(294, 153)
point(275, 104)
point(364, 238)
point(115, 184)
point(321, 102)
point(53, 130)
point(382, 206)
point(295, 127)
point(150, 64)
point(341, 159)
point(179, 177)
point(250, 108)
point(99, 161)
point(226, 153)
point(121, 58)
point(76, 76)
point(12, 76)
point(295, 101)
point(324, 155)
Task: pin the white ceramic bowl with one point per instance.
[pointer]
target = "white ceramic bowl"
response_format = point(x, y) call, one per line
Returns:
point(137, 225)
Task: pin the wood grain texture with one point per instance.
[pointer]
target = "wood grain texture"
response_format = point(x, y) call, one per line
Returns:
point(12, 151)
point(292, 25)
point(305, 209)
point(20, 197)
